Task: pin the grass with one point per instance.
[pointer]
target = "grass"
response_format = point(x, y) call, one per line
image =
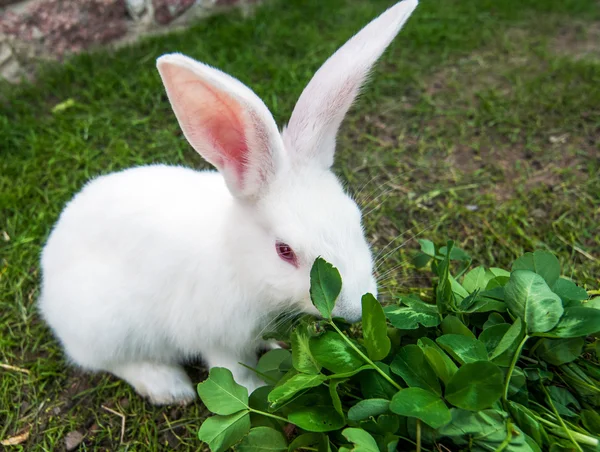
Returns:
point(482, 124)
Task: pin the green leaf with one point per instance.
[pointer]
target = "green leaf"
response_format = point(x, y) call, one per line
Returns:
point(538, 375)
point(390, 443)
point(274, 364)
point(483, 431)
point(414, 313)
point(335, 397)
point(324, 445)
point(496, 283)
point(517, 381)
point(293, 386)
point(541, 262)
point(495, 272)
point(222, 432)
point(305, 440)
point(421, 404)
point(569, 292)
point(526, 420)
point(591, 421)
point(491, 337)
point(368, 408)
point(456, 254)
point(427, 247)
point(560, 351)
point(561, 445)
point(374, 326)
point(263, 439)
point(533, 446)
point(384, 424)
point(351, 373)
point(411, 365)
point(502, 341)
point(452, 325)
point(421, 260)
point(302, 357)
point(510, 341)
point(486, 304)
point(476, 279)
point(259, 401)
point(466, 304)
point(594, 303)
point(462, 348)
point(439, 361)
point(221, 394)
point(577, 321)
point(319, 417)
point(334, 354)
point(562, 400)
point(529, 297)
point(458, 290)
point(64, 105)
point(374, 386)
point(493, 319)
point(409, 427)
point(584, 379)
point(475, 386)
point(325, 286)
point(444, 295)
point(363, 441)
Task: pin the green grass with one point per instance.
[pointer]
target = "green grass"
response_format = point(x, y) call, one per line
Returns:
point(481, 124)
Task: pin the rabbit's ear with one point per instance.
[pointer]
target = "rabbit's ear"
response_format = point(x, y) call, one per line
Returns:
point(225, 122)
point(311, 132)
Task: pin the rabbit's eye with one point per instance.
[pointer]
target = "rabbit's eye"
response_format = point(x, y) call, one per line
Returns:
point(286, 253)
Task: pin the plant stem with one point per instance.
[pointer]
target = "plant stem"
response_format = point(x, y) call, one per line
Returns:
point(257, 372)
point(418, 435)
point(508, 439)
point(274, 416)
point(528, 359)
point(583, 439)
point(512, 367)
point(562, 423)
point(364, 357)
point(579, 381)
point(408, 440)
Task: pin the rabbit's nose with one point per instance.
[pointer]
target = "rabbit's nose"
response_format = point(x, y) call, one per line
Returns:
point(348, 310)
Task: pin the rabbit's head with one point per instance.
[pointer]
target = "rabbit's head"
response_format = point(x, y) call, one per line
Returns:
point(293, 206)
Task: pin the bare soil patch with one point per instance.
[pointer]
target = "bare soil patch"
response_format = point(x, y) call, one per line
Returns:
point(578, 41)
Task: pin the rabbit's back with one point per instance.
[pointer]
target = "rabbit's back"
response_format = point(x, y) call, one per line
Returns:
point(119, 262)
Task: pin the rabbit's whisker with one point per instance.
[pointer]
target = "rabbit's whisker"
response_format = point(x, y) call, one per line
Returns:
point(393, 179)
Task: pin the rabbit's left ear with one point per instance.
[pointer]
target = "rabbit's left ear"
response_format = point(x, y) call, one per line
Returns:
point(311, 132)
point(225, 122)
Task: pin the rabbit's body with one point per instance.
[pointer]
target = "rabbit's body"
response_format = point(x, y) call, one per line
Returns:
point(148, 266)
point(154, 265)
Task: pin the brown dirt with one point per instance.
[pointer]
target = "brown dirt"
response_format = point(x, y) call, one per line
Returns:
point(578, 41)
point(515, 163)
point(68, 26)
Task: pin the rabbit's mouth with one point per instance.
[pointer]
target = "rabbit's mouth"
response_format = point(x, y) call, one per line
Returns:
point(350, 316)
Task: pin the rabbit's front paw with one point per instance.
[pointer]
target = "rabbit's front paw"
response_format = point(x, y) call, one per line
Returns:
point(162, 384)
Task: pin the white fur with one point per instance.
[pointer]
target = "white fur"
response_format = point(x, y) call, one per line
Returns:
point(154, 265)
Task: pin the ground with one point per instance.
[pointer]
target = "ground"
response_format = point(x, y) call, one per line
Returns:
point(481, 124)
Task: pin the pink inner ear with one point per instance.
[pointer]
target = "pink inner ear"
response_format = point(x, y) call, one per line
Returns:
point(212, 121)
point(224, 125)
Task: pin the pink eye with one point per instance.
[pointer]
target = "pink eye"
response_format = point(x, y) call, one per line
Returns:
point(286, 253)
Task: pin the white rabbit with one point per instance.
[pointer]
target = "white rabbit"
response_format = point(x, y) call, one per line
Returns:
point(154, 265)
